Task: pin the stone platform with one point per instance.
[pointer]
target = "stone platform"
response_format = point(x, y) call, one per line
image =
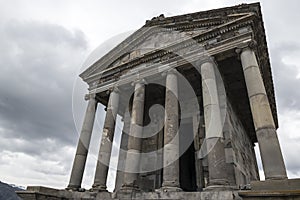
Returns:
point(41, 193)
point(271, 189)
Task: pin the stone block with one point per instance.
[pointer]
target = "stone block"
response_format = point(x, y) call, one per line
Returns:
point(261, 111)
point(276, 185)
point(254, 81)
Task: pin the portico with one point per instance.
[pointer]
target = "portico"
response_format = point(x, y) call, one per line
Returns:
point(216, 148)
point(193, 108)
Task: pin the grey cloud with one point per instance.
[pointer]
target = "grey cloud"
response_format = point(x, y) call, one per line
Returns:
point(34, 32)
point(39, 62)
point(285, 77)
point(291, 153)
point(280, 18)
point(281, 34)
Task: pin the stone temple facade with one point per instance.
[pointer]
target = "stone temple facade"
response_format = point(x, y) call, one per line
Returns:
point(195, 94)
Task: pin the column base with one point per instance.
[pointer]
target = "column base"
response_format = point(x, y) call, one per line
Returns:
point(274, 168)
point(219, 188)
point(280, 177)
point(98, 188)
point(170, 189)
point(216, 182)
point(73, 188)
point(129, 188)
point(170, 186)
point(219, 185)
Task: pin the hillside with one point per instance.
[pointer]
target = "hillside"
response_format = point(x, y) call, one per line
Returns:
point(7, 192)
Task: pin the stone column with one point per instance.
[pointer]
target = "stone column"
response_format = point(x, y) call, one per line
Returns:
point(106, 141)
point(213, 127)
point(266, 134)
point(171, 135)
point(123, 151)
point(198, 141)
point(132, 165)
point(83, 144)
point(159, 146)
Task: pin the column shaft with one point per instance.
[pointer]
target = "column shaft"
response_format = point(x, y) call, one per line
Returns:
point(123, 151)
point(270, 151)
point(171, 135)
point(132, 165)
point(198, 121)
point(160, 135)
point(213, 126)
point(83, 145)
point(106, 142)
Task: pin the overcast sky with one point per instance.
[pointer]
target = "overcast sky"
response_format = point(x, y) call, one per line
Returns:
point(43, 47)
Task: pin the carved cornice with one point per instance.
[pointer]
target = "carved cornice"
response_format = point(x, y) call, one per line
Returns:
point(221, 12)
point(168, 50)
point(146, 31)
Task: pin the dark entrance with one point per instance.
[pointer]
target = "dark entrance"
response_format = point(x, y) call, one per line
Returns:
point(187, 159)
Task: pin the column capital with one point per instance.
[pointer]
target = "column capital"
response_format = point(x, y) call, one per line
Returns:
point(246, 45)
point(172, 71)
point(208, 59)
point(113, 89)
point(169, 71)
point(139, 81)
point(90, 96)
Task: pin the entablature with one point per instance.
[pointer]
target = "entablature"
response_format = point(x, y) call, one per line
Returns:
point(124, 74)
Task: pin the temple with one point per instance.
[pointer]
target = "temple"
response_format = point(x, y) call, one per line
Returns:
point(195, 94)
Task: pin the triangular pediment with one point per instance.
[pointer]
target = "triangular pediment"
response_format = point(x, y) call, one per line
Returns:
point(161, 32)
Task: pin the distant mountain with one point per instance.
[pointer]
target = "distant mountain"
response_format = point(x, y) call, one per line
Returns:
point(16, 187)
point(7, 192)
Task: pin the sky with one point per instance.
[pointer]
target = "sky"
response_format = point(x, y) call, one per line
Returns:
point(44, 46)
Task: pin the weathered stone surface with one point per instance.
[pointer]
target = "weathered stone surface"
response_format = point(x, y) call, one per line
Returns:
point(106, 142)
point(212, 114)
point(273, 189)
point(287, 184)
point(83, 144)
point(274, 167)
point(123, 151)
point(171, 134)
point(213, 127)
point(270, 151)
point(198, 130)
point(135, 138)
point(267, 195)
point(239, 151)
point(261, 112)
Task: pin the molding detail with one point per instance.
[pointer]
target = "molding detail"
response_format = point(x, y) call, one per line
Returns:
point(90, 96)
point(252, 44)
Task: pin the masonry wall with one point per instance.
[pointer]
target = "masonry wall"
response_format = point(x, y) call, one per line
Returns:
point(239, 150)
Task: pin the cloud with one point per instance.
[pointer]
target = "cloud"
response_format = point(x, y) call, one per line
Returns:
point(26, 168)
point(290, 139)
point(39, 63)
point(286, 75)
point(36, 79)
